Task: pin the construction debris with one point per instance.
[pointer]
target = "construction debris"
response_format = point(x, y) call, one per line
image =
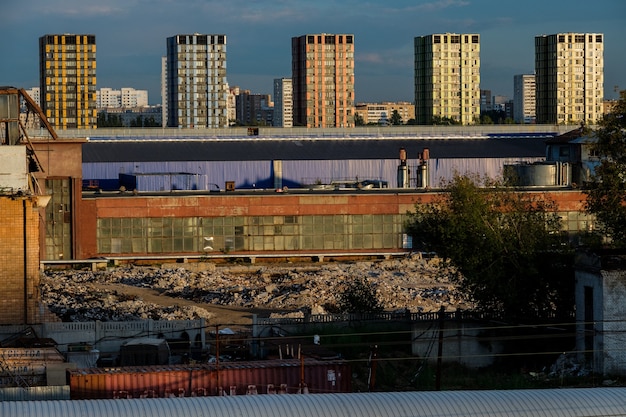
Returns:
point(410, 284)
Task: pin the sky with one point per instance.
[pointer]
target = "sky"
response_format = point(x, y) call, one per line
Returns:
point(131, 37)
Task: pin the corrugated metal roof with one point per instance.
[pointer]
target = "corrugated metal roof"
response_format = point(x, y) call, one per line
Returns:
point(582, 402)
point(37, 393)
point(307, 149)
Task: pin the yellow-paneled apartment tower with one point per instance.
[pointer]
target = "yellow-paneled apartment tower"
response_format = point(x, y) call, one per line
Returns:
point(569, 75)
point(67, 78)
point(447, 78)
point(322, 68)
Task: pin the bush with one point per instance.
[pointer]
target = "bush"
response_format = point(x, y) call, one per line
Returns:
point(359, 296)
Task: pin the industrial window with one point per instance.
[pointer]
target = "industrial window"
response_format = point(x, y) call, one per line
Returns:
point(599, 38)
point(162, 235)
point(474, 38)
point(437, 39)
point(349, 39)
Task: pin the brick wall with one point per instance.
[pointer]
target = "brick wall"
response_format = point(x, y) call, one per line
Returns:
point(19, 241)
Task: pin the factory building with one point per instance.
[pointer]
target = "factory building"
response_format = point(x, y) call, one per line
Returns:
point(40, 181)
point(178, 194)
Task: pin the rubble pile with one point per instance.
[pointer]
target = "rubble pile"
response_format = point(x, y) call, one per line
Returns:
point(67, 296)
point(410, 283)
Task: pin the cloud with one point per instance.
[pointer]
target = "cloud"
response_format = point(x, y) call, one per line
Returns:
point(370, 58)
point(81, 9)
point(431, 6)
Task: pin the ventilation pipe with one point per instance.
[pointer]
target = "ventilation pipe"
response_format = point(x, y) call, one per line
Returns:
point(423, 177)
point(403, 170)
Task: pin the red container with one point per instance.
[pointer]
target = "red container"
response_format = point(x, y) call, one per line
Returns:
point(230, 378)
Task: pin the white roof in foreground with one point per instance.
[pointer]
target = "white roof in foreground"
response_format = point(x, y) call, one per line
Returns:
point(578, 402)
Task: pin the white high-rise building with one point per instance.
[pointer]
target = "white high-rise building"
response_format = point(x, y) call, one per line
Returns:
point(196, 86)
point(134, 98)
point(108, 98)
point(125, 98)
point(569, 76)
point(524, 98)
point(283, 102)
point(34, 93)
point(164, 90)
point(447, 78)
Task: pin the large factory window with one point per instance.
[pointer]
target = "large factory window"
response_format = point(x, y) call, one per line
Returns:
point(254, 233)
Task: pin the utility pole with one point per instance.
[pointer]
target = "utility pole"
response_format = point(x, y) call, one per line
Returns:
point(439, 349)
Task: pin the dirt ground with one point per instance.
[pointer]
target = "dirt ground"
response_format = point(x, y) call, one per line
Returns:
point(221, 315)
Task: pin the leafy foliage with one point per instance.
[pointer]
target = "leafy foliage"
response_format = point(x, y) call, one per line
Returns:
point(606, 193)
point(359, 296)
point(109, 120)
point(395, 119)
point(439, 120)
point(503, 244)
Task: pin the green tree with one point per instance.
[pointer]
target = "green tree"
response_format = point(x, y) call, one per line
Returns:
point(359, 296)
point(502, 245)
point(485, 119)
point(606, 192)
point(438, 120)
point(358, 120)
point(109, 120)
point(396, 119)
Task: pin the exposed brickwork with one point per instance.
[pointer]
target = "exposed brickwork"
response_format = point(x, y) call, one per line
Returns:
point(19, 240)
point(232, 205)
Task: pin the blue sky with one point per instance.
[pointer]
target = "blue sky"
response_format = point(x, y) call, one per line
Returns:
point(130, 37)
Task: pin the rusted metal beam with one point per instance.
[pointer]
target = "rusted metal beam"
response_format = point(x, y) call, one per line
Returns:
point(35, 108)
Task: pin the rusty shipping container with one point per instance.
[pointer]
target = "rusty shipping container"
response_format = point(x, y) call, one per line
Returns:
point(230, 378)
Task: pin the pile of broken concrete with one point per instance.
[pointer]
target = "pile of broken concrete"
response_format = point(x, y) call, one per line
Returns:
point(411, 283)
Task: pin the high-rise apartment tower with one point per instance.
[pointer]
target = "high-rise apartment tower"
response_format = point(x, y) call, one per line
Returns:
point(196, 87)
point(447, 78)
point(569, 74)
point(67, 78)
point(283, 102)
point(524, 98)
point(323, 80)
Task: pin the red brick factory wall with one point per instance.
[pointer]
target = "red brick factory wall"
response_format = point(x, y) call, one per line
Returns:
point(19, 257)
point(229, 205)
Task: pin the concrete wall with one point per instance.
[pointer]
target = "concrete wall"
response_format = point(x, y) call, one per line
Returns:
point(604, 326)
point(109, 336)
point(461, 343)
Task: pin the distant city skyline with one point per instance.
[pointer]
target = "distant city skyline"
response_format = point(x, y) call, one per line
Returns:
point(131, 38)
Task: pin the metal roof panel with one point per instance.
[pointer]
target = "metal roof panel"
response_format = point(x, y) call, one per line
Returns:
point(573, 402)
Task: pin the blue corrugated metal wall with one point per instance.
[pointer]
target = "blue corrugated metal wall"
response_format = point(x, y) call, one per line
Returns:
point(259, 174)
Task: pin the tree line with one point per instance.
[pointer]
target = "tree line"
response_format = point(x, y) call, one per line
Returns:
point(508, 247)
